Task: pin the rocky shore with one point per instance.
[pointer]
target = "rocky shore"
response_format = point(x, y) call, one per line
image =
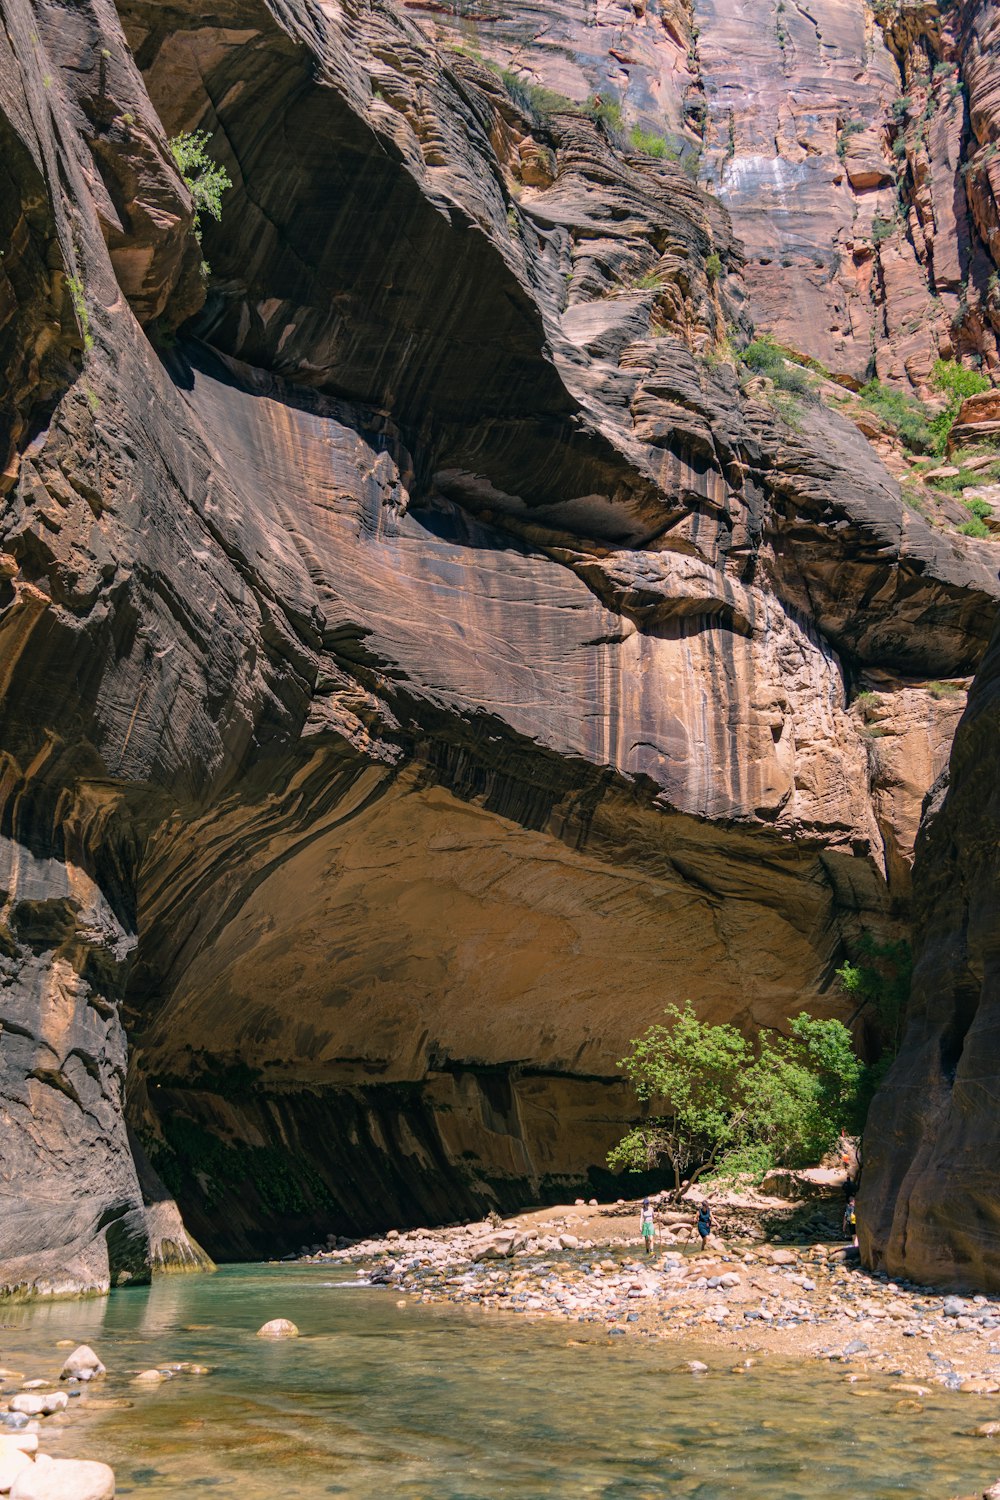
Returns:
point(586, 1265)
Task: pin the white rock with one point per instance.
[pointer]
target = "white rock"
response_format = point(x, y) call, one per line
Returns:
point(64, 1479)
point(278, 1328)
point(11, 1464)
point(23, 1442)
point(29, 1405)
point(149, 1377)
point(83, 1364)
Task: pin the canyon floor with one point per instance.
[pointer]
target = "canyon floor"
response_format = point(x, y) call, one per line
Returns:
point(584, 1263)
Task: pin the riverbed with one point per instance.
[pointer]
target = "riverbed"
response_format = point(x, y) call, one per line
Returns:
point(427, 1402)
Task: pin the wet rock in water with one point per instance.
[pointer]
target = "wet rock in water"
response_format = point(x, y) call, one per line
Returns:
point(82, 1364)
point(13, 1421)
point(695, 1367)
point(149, 1377)
point(30, 1404)
point(987, 1430)
point(278, 1328)
point(64, 1479)
point(34, 1385)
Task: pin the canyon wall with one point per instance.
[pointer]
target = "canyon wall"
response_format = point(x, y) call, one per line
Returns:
point(423, 656)
point(930, 1209)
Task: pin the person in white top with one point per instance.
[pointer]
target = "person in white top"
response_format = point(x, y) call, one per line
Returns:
point(647, 1226)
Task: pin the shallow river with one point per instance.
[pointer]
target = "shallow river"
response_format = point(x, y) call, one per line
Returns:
point(431, 1403)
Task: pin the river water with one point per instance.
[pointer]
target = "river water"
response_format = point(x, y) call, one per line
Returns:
point(441, 1403)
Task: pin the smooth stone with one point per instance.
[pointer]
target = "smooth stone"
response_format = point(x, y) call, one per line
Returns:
point(13, 1421)
point(39, 1406)
point(18, 1442)
point(149, 1377)
point(64, 1479)
point(83, 1364)
point(11, 1465)
point(278, 1328)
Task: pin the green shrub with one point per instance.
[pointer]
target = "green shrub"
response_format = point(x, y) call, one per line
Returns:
point(533, 99)
point(882, 229)
point(764, 357)
point(649, 143)
point(981, 509)
point(74, 285)
point(713, 267)
point(881, 979)
point(954, 382)
point(206, 179)
point(849, 128)
point(721, 1103)
point(905, 413)
point(607, 112)
point(976, 528)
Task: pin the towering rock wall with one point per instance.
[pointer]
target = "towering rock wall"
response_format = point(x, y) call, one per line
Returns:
point(930, 1208)
point(422, 668)
point(852, 143)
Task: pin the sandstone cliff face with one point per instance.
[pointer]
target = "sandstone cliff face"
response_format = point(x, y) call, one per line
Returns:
point(929, 1203)
point(854, 146)
point(424, 668)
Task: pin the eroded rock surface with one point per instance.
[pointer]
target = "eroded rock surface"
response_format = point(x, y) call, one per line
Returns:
point(424, 668)
point(929, 1204)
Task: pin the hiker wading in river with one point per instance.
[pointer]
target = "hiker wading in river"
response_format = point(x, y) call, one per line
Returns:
point(704, 1223)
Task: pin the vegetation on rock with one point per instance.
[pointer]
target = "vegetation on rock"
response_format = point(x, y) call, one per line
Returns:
point(726, 1105)
point(205, 178)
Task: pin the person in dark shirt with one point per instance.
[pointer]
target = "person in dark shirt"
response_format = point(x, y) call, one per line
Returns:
point(704, 1223)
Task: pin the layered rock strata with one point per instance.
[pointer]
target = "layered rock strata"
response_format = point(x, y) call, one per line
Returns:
point(424, 668)
point(854, 146)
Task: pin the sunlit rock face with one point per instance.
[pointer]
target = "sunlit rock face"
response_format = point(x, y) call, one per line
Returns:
point(930, 1205)
point(851, 143)
point(420, 668)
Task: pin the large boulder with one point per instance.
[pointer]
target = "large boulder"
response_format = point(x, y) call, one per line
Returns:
point(64, 1479)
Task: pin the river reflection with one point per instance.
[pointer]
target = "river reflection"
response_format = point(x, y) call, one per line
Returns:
point(432, 1403)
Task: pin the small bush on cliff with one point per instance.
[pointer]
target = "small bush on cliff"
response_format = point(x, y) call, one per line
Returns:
point(905, 413)
point(764, 357)
point(206, 179)
point(721, 1104)
point(880, 978)
point(955, 383)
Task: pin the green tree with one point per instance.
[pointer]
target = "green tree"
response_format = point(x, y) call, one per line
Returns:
point(206, 179)
point(721, 1105)
point(691, 1072)
point(881, 979)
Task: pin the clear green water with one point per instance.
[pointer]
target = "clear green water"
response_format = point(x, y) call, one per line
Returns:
point(441, 1403)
